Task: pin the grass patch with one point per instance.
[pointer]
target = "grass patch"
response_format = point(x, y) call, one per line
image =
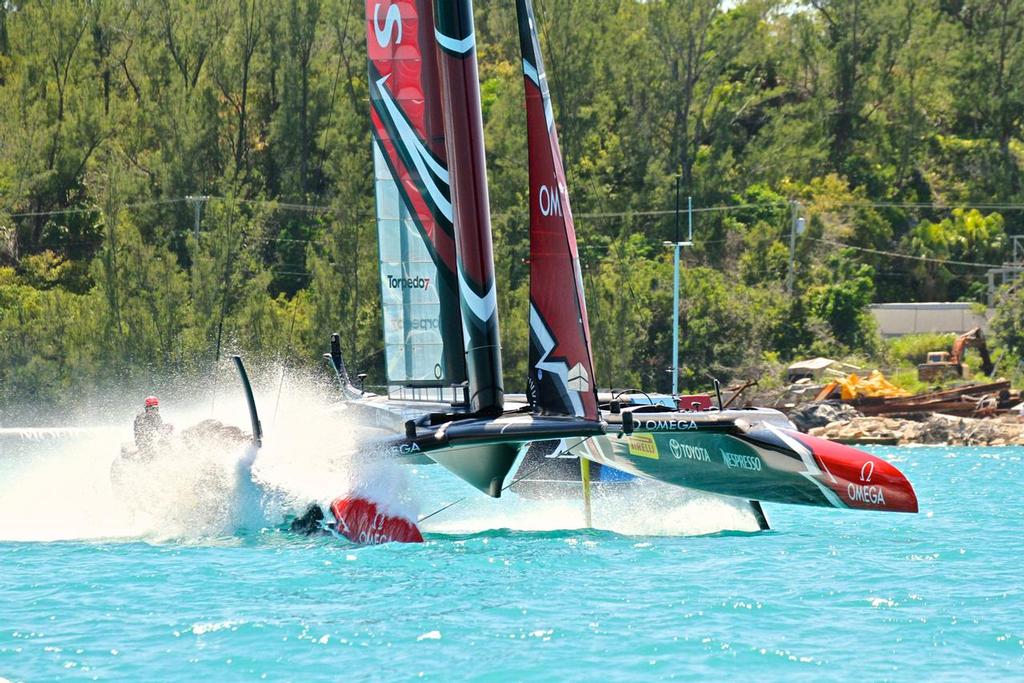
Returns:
point(906, 378)
point(914, 348)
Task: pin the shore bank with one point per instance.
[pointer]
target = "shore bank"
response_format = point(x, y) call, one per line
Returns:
point(935, 429)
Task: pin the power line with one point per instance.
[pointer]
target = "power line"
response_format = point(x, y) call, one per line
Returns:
point(718, 208)
point(91, 209)
point(906, 256)
point(723, 208)
point(309, 208)
point(322, 239)
point(932, 205)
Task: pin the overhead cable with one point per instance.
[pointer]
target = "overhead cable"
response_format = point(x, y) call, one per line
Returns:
point(906, 256)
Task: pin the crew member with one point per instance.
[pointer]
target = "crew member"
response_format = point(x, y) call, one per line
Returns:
point(148, 425)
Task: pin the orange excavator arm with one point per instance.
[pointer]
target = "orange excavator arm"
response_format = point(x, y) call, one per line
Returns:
point(972, 339)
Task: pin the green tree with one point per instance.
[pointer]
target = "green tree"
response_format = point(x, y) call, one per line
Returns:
point(966, 237)
point(843, 299)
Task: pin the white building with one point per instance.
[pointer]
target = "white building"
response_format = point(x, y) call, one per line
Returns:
point(895, 320)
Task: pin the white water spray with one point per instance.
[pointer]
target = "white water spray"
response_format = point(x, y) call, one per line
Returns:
point(56, 483)
point(642, 508)
point(59, 484)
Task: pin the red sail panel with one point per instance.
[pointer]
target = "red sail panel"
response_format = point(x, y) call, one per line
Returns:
point(561, 375)
point(419, 287)
point(460, 89)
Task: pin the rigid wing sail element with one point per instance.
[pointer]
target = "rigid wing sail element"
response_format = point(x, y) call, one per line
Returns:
point(419, 288)
point(460, 99)
point(561, 361)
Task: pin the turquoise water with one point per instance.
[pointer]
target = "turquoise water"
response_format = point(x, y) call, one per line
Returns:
point(504, 593)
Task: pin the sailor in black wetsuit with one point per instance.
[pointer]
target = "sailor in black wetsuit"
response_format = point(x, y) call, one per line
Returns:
point(148, 426)
point(309, 522)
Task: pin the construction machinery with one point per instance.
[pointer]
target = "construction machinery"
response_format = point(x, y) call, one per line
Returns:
point(942, 365)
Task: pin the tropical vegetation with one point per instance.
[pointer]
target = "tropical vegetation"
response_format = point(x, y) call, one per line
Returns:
point(180, 180)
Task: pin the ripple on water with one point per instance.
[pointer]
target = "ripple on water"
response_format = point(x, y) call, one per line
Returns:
point(827, 593)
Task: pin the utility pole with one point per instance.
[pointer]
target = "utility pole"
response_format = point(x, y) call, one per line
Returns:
point(1009, 272)
point(796, 227)
point(677, 244)
point(197, 204)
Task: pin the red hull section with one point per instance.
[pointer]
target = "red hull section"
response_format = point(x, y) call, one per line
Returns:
point(860, 480)
point(361, 521)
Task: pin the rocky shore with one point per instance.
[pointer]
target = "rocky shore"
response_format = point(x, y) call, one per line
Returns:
point(935, 429)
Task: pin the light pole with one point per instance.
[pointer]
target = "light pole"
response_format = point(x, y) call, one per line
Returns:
point(677, 245)
point(796, 227)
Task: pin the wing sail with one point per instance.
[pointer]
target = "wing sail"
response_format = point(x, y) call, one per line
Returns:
point(419, 290)
point(561, 374)
point(460, 87)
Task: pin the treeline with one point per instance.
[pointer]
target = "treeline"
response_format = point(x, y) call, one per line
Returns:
point(894, 125)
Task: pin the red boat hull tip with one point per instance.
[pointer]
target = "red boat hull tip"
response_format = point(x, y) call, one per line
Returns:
point(860, 480)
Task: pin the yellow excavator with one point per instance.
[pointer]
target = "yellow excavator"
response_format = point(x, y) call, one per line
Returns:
point(943, 365)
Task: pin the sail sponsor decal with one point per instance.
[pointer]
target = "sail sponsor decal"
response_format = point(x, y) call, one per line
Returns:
point(402, 282)
point(549, 200)
point(391, 30)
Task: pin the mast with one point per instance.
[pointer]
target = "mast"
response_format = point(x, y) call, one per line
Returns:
point(463, 123)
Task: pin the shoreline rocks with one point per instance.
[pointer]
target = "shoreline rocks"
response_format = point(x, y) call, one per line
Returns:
point(935, 429)
point(810, 415)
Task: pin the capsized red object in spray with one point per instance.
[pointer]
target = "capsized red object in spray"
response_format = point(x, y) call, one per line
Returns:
point(363, 522)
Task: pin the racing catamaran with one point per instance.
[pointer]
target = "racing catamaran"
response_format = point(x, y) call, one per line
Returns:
point(446, 399)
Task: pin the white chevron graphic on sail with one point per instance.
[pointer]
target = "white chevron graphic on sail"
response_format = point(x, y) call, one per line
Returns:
point(454, 44)
point(557, 368)
point(425, 164)
point(483, 307)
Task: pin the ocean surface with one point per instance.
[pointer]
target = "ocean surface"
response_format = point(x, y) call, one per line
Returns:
point(668, 586)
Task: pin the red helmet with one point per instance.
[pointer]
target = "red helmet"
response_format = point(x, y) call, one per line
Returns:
point(152, 402)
